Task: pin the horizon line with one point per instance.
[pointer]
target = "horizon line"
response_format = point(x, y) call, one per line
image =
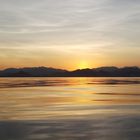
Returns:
point(67, 69)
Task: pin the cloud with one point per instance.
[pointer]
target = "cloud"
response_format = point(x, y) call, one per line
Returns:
point(70, 26)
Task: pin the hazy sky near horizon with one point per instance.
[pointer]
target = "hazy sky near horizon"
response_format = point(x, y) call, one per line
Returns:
point(69, 34)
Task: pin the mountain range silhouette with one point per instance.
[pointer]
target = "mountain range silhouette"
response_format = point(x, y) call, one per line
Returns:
point(53, 72)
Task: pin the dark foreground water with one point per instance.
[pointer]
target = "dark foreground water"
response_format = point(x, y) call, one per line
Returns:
point(70, 109)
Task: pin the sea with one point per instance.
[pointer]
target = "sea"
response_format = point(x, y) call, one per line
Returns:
point(70, 108)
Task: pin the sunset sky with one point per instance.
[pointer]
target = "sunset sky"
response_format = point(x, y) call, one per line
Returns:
point(69, 34)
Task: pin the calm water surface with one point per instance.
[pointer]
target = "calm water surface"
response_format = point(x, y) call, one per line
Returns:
point(70, 109)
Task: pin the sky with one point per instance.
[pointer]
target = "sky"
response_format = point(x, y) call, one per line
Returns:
point(69, 34)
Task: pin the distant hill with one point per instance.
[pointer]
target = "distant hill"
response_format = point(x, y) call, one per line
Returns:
point(32, 72)
point(108, 72)
point(52, 72)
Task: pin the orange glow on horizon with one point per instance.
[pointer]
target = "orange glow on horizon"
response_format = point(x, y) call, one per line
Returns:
point(83, 65)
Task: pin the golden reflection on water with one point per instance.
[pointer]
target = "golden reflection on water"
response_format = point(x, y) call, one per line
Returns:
point(41, 98)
